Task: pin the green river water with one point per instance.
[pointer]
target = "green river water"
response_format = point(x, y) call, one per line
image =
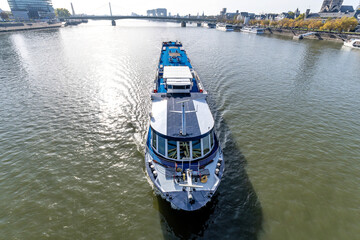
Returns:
point(74, 106)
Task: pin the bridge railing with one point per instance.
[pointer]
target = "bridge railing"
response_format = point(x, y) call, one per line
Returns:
point(115, 17)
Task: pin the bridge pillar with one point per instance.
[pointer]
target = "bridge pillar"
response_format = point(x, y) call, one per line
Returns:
point(198, 24)
point(183, 24)
point(113, 23)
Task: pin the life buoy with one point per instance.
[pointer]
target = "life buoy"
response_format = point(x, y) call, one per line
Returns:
point(204, 179)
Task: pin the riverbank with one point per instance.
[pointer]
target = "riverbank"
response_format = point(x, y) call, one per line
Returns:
point(335, 37)
point(28, 26)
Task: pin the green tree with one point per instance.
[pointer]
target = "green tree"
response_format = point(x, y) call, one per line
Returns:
point(4, 15)
point(291, 15)
point(62, 13)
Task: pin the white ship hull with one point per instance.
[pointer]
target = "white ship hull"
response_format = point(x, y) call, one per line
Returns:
point(353, 43)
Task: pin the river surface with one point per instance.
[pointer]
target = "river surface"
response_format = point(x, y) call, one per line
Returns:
point(74, 106)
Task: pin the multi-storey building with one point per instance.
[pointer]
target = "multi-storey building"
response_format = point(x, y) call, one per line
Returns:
point(31, 9)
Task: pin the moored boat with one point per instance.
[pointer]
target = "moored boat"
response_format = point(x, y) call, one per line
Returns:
point(353, 43)
point(254, 30)
point(208, 25)
point(224, 27)
point(183, 157)
point(211, 25)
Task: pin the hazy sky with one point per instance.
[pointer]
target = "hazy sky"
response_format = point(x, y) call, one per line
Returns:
point(210, 7)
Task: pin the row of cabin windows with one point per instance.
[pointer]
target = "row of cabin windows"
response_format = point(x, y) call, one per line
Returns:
point(182, 150)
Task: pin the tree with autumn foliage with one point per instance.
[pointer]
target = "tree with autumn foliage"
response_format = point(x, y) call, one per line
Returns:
point(315, 24)
point(265, 23)
point(299, 23)
point(329, 25)
point(273, 23)
point(253, 22)
point(300, 17)
point(342, 24)
point(348, 23)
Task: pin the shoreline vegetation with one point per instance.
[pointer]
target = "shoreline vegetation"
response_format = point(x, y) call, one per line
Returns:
point(326, 36)
point(340, 29)
point(337, 25)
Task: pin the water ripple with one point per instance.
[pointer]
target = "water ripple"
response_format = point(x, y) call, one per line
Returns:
point(74, 106)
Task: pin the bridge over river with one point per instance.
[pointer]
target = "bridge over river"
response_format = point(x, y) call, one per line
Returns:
point(112, 17)
point(183, 20)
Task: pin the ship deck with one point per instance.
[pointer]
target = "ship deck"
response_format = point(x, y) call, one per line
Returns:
point(173, 54)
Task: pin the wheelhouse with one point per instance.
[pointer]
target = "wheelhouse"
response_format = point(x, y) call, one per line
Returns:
point(182, 149)
point(178, 79)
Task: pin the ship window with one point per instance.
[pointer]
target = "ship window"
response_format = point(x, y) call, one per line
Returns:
point(184, 150)
point(206, 144)
point(196, 149)
point(172, 149)
point(161, 145)
point(170, 86)
point(211, 139)
point(179, 87)
point(153, 137)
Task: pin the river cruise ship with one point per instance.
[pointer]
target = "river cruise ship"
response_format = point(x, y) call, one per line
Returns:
point(183, 158)
point(224, 27)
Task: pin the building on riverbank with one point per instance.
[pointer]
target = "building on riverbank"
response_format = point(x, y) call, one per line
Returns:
point(24, 10)
point(333, 9)
point(159, 12)
point(331, 6)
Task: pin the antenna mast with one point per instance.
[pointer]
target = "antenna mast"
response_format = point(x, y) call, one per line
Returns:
point(183, 121)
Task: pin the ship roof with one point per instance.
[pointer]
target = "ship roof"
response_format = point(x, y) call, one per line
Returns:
point(167, 121)
point(177, 72)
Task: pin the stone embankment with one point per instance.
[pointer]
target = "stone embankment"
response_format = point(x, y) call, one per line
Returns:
point(336, 37)
point(9, 27)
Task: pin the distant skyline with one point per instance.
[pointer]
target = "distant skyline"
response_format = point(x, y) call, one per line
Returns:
point(209, 7)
